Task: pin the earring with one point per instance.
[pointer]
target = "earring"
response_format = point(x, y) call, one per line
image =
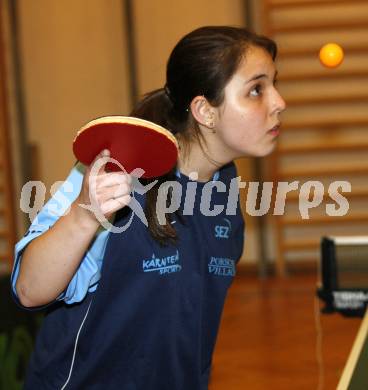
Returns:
point(210, 122)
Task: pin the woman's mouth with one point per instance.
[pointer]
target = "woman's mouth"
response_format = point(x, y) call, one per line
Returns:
point(275, 131)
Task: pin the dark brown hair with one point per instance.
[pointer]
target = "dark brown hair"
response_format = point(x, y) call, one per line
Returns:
point(201, 63)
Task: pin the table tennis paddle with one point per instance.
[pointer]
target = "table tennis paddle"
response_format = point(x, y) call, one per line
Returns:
point(134, 142)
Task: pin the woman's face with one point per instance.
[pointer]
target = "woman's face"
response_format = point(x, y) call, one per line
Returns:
point(247, 121)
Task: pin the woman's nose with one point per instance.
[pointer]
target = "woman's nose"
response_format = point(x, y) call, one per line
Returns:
point(278, 103)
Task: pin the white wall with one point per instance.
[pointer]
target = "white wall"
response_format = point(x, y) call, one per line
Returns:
point(74, 69)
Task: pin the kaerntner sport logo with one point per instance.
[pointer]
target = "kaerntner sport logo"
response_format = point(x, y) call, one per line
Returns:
point(165, 265)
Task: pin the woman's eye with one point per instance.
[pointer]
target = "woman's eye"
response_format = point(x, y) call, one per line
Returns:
point(256, 91)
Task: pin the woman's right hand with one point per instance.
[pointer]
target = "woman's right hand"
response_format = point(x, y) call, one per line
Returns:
point(107, 191)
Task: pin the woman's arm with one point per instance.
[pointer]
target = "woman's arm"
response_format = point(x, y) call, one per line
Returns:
point(50, 260)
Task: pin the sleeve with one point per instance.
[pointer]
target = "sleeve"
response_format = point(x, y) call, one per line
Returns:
point(89, 272)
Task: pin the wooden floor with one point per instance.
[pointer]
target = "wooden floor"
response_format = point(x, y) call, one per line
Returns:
point(269, 338)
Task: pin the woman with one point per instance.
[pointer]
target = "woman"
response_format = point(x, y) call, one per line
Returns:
point(115, 319)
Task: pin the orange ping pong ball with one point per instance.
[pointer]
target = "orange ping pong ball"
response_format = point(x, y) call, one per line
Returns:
point(331, 55)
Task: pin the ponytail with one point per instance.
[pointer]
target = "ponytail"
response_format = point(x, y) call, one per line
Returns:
point(157, 107)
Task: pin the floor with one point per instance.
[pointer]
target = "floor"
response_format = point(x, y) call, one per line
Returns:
point(273, 337)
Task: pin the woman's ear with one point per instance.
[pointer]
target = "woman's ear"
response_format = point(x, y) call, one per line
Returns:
point(203, 112)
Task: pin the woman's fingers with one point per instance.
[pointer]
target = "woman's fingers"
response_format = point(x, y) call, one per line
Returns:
point(113, 178)
point(109, 191)
point(115, 204)
point(104, 194)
